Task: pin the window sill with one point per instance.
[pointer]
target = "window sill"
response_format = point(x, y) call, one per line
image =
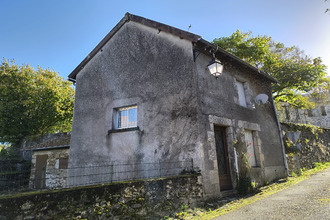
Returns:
point(123, 130)
point(247, 107)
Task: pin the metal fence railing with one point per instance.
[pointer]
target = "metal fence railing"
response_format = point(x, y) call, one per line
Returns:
point(51, 178)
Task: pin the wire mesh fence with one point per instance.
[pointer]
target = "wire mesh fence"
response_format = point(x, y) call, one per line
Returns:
point(14, 177)
point(34, 179)
point(120, 172)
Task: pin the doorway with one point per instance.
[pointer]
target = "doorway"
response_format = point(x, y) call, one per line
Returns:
point(40, 176)
point(222, 158)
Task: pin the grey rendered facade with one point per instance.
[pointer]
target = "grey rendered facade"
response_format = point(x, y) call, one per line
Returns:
point(180, 106)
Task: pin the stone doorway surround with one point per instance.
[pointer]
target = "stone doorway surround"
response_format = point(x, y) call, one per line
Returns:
point(234, 128)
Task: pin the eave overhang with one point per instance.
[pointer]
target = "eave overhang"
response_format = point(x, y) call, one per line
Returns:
point(195, 39)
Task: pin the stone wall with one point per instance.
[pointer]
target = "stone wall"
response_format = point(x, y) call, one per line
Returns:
point(318, 116)
point(175, 96)
point(219, 106)
point(150, 199)
point(43, 141)
point(55, 175)
point(315, 145)
point(153, 71)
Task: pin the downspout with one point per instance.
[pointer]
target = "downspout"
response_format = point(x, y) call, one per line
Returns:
point(281, 137)
point(236, 164)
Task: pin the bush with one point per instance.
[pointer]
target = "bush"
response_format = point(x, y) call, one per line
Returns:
point(245, 186)
point(10, 153)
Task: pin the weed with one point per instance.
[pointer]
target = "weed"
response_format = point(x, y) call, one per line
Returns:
point(184, 207)
point(324, 200)
point(265, 191)
point(245, 186)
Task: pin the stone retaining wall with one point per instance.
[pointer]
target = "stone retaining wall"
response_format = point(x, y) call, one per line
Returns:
point(315, 145)
point(318, 116)
point(149, 199)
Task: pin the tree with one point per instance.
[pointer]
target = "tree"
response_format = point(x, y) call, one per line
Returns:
point(297, 73)
point(33, 102)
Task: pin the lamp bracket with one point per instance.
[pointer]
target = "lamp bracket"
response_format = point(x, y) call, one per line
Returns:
point(197, 52)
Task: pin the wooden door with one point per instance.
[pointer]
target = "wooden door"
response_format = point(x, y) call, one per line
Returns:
point(222, 158)
point(40, 177)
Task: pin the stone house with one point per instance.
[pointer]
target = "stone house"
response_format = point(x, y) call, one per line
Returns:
point(49, 155)
point(49, 167)
point(145, 94)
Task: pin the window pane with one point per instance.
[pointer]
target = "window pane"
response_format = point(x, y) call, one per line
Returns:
point(132, 117)
point(127, 117)
point(124, 119)
point(132, 114)
point(241, 93)
point(124, 113)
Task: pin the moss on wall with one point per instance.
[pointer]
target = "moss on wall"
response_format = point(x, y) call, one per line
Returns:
point(315, 145)
point(129, 200)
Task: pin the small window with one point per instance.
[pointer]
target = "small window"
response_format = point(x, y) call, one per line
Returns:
point(126, 117)
point(241, 93)
point(250, 153)
point(63, 163)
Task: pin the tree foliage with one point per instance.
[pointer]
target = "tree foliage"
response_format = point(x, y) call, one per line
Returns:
point(33, 102)
point(296, 72)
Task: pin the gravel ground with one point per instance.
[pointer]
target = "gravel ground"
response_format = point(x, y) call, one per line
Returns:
point(309, 199)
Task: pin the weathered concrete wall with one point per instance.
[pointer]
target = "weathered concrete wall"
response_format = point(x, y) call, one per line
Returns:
point(144, 67)
point(315, 145)
point(220, 106)
point(178, 104)
point(151, 199)
point(55, 176)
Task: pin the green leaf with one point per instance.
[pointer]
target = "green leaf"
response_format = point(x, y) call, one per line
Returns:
point(296, 72)
point(33, 102)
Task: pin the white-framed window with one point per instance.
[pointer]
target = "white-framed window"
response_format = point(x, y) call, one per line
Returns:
point(126, 117)
point(241, 93)
point(250, 146)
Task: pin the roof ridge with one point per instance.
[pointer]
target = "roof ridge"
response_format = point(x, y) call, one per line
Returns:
point(161, 27)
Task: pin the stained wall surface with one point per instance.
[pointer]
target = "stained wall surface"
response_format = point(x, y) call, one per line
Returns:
point(147, 68)
point(219, 104)
point(178, 104)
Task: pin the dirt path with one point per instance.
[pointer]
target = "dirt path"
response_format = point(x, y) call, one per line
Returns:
point(309, 199)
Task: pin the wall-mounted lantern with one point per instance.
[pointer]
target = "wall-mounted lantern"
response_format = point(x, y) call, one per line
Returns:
point(215, 67)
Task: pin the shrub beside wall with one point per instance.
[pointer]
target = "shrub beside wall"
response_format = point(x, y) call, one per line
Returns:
point(126, 200)
point(315, 145)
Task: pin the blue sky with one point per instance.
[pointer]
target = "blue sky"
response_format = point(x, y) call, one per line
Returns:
point(60, 34)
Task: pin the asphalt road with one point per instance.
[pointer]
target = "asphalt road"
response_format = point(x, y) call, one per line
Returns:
point(309, 199)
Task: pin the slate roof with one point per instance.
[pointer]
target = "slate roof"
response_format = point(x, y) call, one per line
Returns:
point(50, 141)
point(197, 40)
